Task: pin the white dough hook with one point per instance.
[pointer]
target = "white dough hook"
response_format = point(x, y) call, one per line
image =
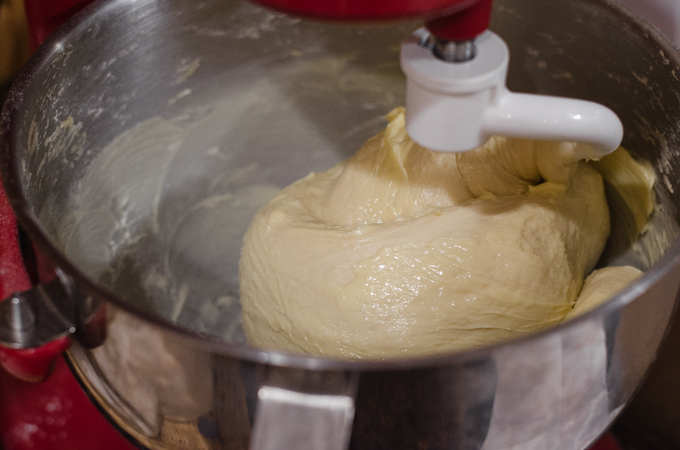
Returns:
point(455, 107)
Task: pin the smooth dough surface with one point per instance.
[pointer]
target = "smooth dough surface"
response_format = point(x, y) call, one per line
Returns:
point(401, 252)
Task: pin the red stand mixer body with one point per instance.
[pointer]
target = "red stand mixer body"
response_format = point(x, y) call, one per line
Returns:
point(452, 20)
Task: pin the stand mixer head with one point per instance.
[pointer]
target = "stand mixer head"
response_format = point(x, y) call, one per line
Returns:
point(456, 97)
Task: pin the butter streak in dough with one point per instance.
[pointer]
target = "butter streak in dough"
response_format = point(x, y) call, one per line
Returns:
point(401, 251)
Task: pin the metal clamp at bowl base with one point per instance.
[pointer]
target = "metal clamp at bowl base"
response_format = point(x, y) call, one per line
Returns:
point(30, 319)
point(323, 402)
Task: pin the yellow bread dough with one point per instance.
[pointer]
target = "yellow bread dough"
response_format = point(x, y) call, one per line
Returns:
point(600, 285)
point(402, 252)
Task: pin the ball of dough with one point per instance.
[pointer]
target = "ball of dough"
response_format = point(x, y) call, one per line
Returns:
point(401, 251)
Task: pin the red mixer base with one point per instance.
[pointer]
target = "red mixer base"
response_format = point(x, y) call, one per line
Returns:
point(53, 415)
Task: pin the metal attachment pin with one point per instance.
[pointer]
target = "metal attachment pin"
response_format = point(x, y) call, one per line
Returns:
point(20, 316)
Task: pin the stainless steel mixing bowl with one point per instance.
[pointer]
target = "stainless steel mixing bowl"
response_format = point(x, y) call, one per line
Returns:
point(141, 138)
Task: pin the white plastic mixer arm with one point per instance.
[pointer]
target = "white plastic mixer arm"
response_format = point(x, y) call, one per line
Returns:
point(554, 118)
point(455, 107)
